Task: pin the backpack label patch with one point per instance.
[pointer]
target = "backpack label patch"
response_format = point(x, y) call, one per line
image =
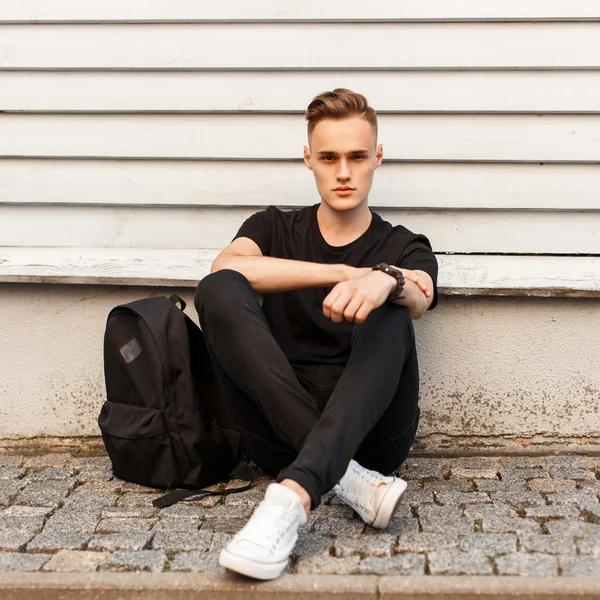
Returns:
point(131, 350)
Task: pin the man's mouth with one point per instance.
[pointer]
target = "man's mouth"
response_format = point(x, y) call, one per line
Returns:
point(343, 189)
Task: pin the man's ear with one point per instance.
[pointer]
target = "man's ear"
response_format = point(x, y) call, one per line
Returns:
point(378, 155)
point(307, 157)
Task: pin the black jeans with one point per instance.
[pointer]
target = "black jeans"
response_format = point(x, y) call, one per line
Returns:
point(307, 422)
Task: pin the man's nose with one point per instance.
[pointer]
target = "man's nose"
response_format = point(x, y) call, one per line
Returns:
point(344, 170)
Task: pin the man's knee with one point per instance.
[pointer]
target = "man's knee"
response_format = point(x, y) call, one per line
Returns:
point(391, 318)
point(220, 290)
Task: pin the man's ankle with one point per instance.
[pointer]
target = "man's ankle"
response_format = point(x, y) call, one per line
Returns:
point(304, 495)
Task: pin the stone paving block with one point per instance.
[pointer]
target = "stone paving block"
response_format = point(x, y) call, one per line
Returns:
point(83, 462)
point(51, 474)
point(97, 476)
point(327, 565)
point(124, 525)
point(131, 499)
point(48, 541)
point(591, 511)
point(178, 524)
point(230, 511)
point(527, 564)
point(397, 526)
point(120, 541)
point(503, 524)
point(183, 510)
point(523, 462)
point(381, 545)
point(44, 493)
point(400, 564)
point(547, 486)
point(343, 511)
point(9, 489)
point(11, 460)
point(458, 498)
point(129, 512)
point(312, 544)
point(426, 542)
point(569, 463)
point(552, 511)
point(196, 562)
point(457, 562)
point(182, 542)
point(19, 562)
point(580, 565)
point(497, 485)
point(58, 460)
point(414, 484)
point(489, 544)
point(519, 499)
point(578, 474)
point(17, 510)
point(11, 472)
point(485, 511)
point(462, 473)
point(21, 523)
point(520, 474)
point(339, 527)
point(90, 501)
point(252, 496)
point(15, 541)
point(152, 561)
point(575, 497)
point(75, 561)
point(224, 525)
point(448, 485)
point(439, 512)
point(111, 486)
point(458, 526)
point(547, 544)
point(416, 497)
point(136, 488)
point(219, 541)
point(420, 468)
point(572, 527)
point(476, 463)
point(70, 522)
point(590, 544)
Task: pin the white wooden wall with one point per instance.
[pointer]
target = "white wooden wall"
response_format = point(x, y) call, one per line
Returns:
point(153, 124)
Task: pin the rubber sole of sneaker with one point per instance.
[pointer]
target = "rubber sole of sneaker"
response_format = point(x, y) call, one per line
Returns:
point(251, 568)
point(389, 504)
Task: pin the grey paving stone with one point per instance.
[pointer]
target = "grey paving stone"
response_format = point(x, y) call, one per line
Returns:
point(572, 527)
point(426, 542)
point(552, 511)
point(219, 541)
point(569, 463)
point(448, 485)
point(527, 564)
point(489, 544)
point(509, 525)
point(580, 565)
point(496, 485)
point(591, 511)
point(575, 497)
point(44, 461)
point(44, 493)
point(126, 512)
point(224, 525)
point(230, 511)
point(458, 526)
point(252, 496)
point(9, 489)
point(55, 540)
point(51, 474)
point(578, 474)
point(484, 511)
point(196, 562)
point(339, 527)
point(343, 511)
point(462, 473)
point(439, 512)
point(520, 474)
point(456, 562)
point(312, 544)
point(519, 499)
point(15, 541)
point(381, 545)
point(136, 488)
point(458, 498)
point(17, 510)
point(400, 564)
point(75, 561)
point(73, 522)
point(124, 525)
point(90, 501)
point(11, 472)
point(178, 524)
point(19, 562)
point(111, 486)
point(397, 526)
point(327, 565)
point(83, 462)
point(182, 542)
point(152, 561)
point(183, 510)
point(120, 541)
point(420, 468)
point(547, 486)
point(131, 499)
point(416, 497)
point(11, 460)
point(547, 544)
point(590, 544)
point(523, 462)
point(476, 462)
point(21, 523)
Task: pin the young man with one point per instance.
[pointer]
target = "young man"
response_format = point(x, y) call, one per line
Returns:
point(322, 380)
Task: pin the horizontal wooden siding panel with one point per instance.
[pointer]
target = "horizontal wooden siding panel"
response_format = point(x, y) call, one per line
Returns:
point(449, 231)
point(232, 184)
point(282, 91)
point(267, 46)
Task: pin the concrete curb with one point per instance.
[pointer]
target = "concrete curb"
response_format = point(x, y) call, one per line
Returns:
point(188, 586)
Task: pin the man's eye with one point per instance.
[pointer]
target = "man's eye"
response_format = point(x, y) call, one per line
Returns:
point(329, 158)
point(358, 156)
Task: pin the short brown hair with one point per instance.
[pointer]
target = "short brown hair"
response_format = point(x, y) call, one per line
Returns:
point(340, 104)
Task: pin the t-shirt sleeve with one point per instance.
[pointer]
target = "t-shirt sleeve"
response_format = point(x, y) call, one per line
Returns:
point(259, 228)
point(418, 255)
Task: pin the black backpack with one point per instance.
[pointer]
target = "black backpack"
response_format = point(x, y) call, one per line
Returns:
point(165, 423)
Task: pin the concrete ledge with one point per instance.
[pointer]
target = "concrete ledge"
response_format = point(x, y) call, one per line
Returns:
point(172, 586)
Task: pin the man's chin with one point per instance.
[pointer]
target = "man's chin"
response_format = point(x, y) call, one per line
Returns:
point(344, 204)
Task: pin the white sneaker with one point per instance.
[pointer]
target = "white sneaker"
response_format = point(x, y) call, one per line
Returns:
point(373, 496)
point(263, 547)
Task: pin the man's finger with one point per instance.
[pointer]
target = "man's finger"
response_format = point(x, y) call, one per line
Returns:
point(352, 307)
point(338, 307)
point(363, 312)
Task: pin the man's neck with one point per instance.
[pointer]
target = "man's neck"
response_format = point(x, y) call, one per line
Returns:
point(341, 228)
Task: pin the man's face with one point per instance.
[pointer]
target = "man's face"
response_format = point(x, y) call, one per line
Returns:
point(343, 157)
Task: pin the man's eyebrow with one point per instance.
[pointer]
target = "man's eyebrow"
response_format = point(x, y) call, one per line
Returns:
point(332, 153)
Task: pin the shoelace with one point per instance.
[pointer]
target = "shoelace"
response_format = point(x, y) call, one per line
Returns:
point(372, 481)
point(267, 523)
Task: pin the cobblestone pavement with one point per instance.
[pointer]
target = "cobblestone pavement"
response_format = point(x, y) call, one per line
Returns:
point(503, 516)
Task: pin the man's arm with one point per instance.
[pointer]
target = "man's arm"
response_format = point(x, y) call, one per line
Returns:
point(417, 299)
point(267, 275)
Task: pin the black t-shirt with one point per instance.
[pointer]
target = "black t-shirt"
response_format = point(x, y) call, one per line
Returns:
point(296, 318)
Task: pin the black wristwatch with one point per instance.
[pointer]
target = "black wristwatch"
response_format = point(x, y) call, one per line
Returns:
point(397, 275)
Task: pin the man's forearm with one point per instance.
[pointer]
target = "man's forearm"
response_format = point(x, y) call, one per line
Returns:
point(414, 300)
point(267, 275)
